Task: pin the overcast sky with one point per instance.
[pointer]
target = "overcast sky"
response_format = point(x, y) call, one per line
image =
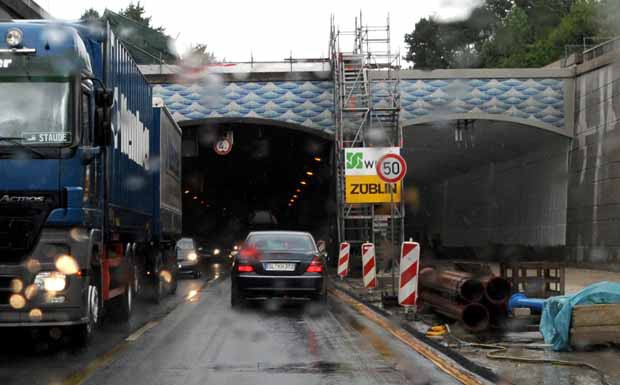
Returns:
point(270, 29)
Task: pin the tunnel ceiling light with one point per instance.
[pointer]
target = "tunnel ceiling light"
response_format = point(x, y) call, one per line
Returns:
point(295, 196)
point(316, 158)
point(298, 190)
point(186, 191)
point(195, 197)
point(309, 173)
point(303, 182)
point(290, 205)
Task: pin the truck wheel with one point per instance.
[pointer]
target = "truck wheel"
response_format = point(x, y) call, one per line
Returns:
point(137, 284)
point(158, 289)
point(125, 303)
point(175, 283)
point(83, 333)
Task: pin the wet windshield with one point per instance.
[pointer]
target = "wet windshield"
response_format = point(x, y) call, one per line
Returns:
point(35, 112)
point(421, 192)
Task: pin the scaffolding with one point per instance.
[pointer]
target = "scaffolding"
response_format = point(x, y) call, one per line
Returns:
point(367, 106)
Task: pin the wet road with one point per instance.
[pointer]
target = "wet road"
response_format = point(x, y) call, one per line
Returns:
point(204, 341)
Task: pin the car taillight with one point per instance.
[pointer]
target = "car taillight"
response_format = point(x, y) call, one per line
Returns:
point(245, 268)
point(316, 266)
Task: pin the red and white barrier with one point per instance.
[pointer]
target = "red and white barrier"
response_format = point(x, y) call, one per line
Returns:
point(369, 265)
point(408, 280)
point(343, 259)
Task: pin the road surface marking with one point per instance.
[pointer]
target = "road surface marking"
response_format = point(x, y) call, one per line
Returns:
point(441, 362)
point(110, 356)
point(138, 333)
point(98, 363)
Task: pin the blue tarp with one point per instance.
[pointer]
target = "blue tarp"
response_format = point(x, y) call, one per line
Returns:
point(557, 311)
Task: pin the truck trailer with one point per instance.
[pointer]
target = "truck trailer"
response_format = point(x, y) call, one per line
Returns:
point(90, 173)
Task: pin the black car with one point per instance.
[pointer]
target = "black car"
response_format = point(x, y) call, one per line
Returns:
point(278, 264)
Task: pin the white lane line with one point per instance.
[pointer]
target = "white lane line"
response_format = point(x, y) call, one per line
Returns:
point(138, 333)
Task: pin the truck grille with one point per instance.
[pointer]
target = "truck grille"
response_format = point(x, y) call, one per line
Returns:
point(19, 230)
point(5, 289)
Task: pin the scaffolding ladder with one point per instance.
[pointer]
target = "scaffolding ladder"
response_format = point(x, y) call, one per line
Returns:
point(367, 106)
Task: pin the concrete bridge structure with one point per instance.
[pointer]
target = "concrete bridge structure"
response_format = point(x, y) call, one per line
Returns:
point(496, 156)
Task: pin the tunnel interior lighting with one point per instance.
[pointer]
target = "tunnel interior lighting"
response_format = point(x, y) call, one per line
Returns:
point(317, 159)
point(195, 197)
point(309, 173)
point(186, 191)
point(303, 182)
point(298, 190)
point(295, 196)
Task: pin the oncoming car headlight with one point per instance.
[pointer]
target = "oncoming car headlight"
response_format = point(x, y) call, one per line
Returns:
point(192, 256)
point(51, 281)
point(14, 37)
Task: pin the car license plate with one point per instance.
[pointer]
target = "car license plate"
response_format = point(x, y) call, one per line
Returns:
point(280, 266)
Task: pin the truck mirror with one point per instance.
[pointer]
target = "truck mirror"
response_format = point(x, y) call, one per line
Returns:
point(104, 100)
point(103, 126)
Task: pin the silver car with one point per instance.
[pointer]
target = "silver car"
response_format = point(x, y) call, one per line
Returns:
point(187, 256)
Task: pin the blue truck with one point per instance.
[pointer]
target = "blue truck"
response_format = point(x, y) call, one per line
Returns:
point(90, 179)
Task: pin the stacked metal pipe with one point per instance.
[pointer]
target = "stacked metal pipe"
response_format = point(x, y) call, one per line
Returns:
point(475, 301)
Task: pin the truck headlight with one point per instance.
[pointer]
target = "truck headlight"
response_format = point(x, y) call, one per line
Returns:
point(51, 281)
point(14, 37)
point(192, 256)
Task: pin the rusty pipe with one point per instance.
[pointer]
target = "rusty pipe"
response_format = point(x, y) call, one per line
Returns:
point(497, 290)
point(462, 286)
point(474, 316)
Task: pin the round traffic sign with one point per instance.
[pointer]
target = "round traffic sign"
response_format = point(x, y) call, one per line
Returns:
point(391, 168)
point(222, 147)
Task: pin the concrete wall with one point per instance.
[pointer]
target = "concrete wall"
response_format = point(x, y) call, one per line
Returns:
point(519, 202)
point(593, 220)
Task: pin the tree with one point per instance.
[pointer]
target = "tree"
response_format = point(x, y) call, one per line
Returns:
point(511, 33)
point(90, 14)
point(136, 12)
point(426, 48)
point(198, 55)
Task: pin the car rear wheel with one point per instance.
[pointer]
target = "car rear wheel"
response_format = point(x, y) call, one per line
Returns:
point(236, 299)
point(320, 298)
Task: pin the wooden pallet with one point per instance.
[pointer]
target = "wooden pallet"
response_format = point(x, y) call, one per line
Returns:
point(535, 279)
point(595, 325)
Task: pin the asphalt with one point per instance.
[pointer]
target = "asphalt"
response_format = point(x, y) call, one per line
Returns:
point(197, 338)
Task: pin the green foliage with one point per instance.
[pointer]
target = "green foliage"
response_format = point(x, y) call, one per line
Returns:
point(136, 12)
point(198, 55)
point(511, 33)
point(90, 14)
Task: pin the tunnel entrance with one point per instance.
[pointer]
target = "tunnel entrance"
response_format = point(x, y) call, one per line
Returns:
point(273, 178)
point(486, 189)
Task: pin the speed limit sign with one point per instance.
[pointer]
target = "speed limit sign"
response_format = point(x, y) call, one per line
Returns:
point(222, 147)
point(391, 168)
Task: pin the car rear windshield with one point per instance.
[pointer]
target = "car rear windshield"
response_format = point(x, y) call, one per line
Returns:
point(282, 242)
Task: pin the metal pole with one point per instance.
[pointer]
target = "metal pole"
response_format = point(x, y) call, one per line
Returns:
point(392, 236)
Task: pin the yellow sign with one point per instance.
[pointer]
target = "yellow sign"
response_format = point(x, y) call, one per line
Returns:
point(371, 189)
